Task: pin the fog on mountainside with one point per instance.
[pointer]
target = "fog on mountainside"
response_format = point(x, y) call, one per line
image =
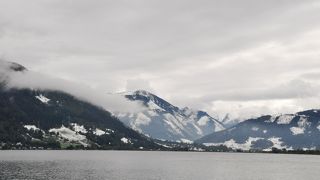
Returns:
point(17, 76)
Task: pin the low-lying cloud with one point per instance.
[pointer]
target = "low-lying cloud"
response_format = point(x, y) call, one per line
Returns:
point(39, 81)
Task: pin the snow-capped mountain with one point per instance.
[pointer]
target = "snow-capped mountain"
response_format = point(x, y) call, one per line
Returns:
point(162, 120)
point(290, 131)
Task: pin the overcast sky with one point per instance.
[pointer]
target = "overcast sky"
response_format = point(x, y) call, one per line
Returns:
point(245, 57)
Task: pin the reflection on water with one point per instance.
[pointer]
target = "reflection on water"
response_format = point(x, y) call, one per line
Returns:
point(116, 165)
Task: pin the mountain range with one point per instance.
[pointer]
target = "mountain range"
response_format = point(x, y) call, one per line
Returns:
point(289, 131)
point(53, 119)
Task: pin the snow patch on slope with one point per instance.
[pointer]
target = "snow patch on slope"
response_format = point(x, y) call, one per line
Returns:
point(303, 122)
point(277, 143)
point(78, 128)
point(186, 141)
point(70, 135)
point(302, 125)
point(125, 140)
point(31, 127)
point(99, 132)
point(199, 131)
point(234, 145)
point(110, 131)
point(43, 99)
point(297, 130)
point(203, 121)
point(285, 119)
point(172, 122)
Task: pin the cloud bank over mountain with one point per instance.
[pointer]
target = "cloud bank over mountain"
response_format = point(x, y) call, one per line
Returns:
point(241, 57)
point(35, 80)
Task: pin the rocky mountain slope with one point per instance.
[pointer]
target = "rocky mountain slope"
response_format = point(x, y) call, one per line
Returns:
point(162, 120)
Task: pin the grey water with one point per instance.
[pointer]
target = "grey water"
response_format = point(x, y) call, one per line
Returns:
point(138, 165)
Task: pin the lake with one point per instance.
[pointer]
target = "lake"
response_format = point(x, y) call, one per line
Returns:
point(138, 165)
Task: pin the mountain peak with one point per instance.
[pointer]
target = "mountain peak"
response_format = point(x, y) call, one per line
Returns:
point(145, 94)
point(12, 66)
point(17, 67)
point(142, 92)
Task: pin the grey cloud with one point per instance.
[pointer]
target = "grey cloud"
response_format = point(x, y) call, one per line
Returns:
point(311, 76)
point(138, 84)
point(190, 52)
point(292, 90)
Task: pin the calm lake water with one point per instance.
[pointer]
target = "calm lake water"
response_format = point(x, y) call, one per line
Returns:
point(116, 165)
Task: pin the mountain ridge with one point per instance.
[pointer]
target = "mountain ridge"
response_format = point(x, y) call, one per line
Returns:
point(51, 119)
point(288, 131)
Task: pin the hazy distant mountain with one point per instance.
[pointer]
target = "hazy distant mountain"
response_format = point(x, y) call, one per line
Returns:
point(53, 119)
point(229, 122)
point(162, 120)
point(290, 131)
